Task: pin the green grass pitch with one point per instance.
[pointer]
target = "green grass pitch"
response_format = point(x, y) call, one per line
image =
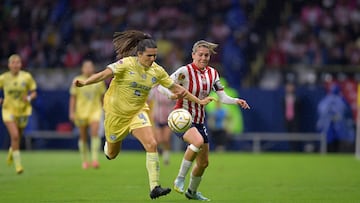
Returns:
point(56, 176)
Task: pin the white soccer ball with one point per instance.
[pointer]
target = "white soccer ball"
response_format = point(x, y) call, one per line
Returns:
point(179, 120)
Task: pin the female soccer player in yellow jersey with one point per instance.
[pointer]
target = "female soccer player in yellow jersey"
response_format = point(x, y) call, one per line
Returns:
point(126, 111)
point(19, 90)
point(85, 110)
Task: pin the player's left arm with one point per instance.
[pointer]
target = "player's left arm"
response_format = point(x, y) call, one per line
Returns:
point(226, 99)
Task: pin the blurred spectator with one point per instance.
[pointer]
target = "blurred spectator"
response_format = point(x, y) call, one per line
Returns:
point(335, 120)
point(54, 34)
point(275, 57)
point(291, 107)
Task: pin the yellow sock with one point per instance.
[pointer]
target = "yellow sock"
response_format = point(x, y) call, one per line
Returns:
point(17, 158)
point(9, 158)
point(95, 147)
point(153, 168)
point(83, 149)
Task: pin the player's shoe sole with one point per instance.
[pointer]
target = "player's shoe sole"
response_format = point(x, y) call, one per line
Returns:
point(159, 191)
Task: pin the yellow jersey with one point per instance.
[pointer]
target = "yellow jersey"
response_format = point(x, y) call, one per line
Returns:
point(130, 86)
point(15, 88)
point(88, 98)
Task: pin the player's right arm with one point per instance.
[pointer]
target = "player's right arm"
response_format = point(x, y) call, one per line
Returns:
point(177, 91)
point(95, 78)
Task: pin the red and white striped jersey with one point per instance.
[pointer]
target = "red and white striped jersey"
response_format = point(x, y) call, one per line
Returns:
point(199, 83)
point(162, 106)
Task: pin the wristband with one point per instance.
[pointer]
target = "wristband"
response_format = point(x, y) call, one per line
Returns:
point(28, 98)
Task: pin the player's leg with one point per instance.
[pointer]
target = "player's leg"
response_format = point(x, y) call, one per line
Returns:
point(195, 140)
point(14, 151)
point(202, 162)
point(111, 150)
point(146, 136)
point(83, 145)
point(166, 142)
point(95, 143)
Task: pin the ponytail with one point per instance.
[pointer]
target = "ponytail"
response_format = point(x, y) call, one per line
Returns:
point(128, 43)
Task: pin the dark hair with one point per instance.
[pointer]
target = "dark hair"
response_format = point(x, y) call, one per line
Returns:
point(128, 43)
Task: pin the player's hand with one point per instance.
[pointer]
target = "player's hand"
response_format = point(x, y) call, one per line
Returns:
point(79, 83)
point(1, 100)
point(207, 100)
point(173, 97)
point(26, 98)
point(243, 104)
point(182, 93)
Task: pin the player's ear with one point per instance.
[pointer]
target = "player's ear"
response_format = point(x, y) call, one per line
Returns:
point(139, 53)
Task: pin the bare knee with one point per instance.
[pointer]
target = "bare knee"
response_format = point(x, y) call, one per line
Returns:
point(112, 150)
point(111, 156)
point(151, 146)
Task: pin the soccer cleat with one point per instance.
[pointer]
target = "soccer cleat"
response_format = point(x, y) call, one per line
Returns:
point(9, 159)
point(179, 185)
point(95, 164)
point(159, 191)
point(196, 196)
point(85, 165)
point(19, 169)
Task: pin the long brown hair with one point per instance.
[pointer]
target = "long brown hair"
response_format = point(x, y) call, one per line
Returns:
point(129, 42)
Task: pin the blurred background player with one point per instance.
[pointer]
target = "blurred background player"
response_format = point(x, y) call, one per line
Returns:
point(234, 122)
point(126, 110)
point(199, 79)
point(161, 106)
point(85, 110)
point(19, 90)
point(217, 123)
point(335, 121)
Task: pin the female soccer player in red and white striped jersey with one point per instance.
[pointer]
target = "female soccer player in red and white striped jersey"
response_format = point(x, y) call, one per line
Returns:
point(199, 79)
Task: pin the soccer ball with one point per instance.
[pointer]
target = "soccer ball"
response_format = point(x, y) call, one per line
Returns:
point(179, 120)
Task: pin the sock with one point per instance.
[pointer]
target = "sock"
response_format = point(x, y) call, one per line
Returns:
point(184, 168)
point(153, 168)
point(166, 156)
point(16, 158)
point(95, 145)
point(83, 149)
point(194, 183)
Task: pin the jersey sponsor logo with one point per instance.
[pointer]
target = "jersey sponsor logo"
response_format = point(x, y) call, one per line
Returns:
point(137, 93)
point(133, 84)
point(140, 86)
